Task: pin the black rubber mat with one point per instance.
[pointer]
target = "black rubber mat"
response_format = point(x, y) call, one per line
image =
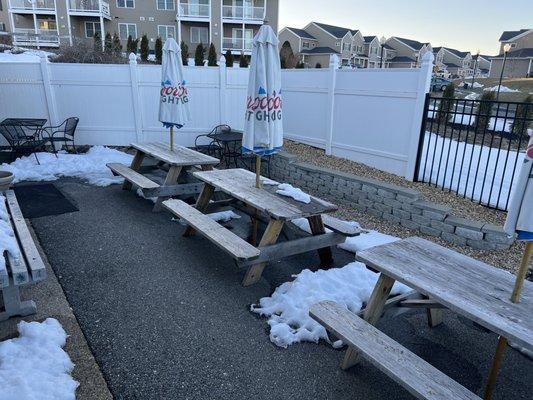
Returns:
point(42, 200)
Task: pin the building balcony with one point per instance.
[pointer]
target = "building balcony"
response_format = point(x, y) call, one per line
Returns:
point(193, 12)
point(36, 37)
point(32, 7)
point(89, 8)
point(237, 45)
point(243, 13)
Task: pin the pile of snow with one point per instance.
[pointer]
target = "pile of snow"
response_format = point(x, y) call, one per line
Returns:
point(477, 85)
point(501, 124)
point(8, 242)
point(90, 166)
point(288, 307)
point(472, 96)
point(297, 194)
point(503, 89)
point(34, 365)
point(366, 240)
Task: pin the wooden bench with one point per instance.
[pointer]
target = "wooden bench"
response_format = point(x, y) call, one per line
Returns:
point(226, 240)
point(132, 176)
point(27, 269)
point(407, 369)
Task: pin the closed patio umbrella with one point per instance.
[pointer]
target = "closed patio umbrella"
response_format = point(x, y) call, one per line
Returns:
point(174, 96)
point(263, 127)
point(519, 221)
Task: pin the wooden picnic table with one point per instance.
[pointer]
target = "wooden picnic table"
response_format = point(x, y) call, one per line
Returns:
point(178, 160)
point(469, 287)
point(239, 184)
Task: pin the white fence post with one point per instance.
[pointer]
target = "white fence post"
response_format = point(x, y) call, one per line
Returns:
point(424, 81)
point(137, 112)
point(222, 80)
point(48, 92)
point(333, 67)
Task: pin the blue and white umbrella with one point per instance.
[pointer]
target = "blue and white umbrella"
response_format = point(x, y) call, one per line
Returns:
point(520, 214)
point(263, 125)
point(174, 96)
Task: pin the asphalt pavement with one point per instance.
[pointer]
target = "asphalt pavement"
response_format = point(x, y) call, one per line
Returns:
point(167, 318)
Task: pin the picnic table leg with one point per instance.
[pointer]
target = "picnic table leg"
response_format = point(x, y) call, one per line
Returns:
point(317, 228)
point(171, 178)
point(372, 314)
point(434, 316)
point(135, 165)
point(201, 204)
point(270, 236)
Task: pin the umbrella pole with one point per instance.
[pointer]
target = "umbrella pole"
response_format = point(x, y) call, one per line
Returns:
point(502, 342)
point(172, 138)
point(257, 171)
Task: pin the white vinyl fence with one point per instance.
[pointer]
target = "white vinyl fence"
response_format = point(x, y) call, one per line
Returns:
point(372, 116)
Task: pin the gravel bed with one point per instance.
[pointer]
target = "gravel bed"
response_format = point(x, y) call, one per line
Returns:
point(461, 207)
point(508, 259)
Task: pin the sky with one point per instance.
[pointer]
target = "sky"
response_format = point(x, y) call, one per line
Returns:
point(469, 25)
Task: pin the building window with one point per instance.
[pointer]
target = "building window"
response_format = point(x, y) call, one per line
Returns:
point(346, 47)
point(305, 45)
point(166, 31)
point(126, 30)
point(125, 3)
point(199, 35)
point(337, 44)
point(91, 28)
point(165, 4)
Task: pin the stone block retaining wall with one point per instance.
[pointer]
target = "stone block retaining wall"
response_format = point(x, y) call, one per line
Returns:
point(392, 203)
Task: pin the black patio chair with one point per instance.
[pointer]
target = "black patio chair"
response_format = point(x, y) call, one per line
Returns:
point(62, 133)
point(21, 143)
point(213, 147)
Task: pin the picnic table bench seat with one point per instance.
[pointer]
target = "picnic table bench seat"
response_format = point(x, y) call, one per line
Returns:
point(420, 378)
point(132, 176)
point(226, 240)
point(27, 269)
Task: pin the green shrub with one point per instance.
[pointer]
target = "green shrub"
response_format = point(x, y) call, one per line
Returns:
point(229, 59)
point(199, 55)
point(524, 112)
point(159, 50)
point(446, 104)
point(184, 53)
point(117, 46)
point(132, 45)
point(243, 61)
point(145, 48)
point(97, 42)
point(108, 44)
point(484, 111)
point(212, 56)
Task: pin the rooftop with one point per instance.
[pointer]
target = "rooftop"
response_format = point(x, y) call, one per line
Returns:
point(507, 35)
point(301, 33)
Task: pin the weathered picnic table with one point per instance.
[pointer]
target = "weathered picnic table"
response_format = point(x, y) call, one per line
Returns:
point(448, 279)
point(178, 160)
point(239, 184)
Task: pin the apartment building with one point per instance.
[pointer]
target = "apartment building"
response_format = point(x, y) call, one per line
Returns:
point(228, 24)
point(519, 62)
point(316, 42)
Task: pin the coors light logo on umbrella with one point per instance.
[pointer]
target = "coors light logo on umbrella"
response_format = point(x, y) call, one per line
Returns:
point(263, 126)
point(174, 96)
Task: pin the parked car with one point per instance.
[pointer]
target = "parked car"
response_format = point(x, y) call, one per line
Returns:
point(438, 83)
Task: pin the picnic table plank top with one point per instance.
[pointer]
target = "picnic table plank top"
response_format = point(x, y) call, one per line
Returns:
point(240, 184)
point(467, 286)
point(181, 156)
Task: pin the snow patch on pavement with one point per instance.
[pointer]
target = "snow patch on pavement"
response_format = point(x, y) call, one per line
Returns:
point(297, 194)
point(34, 365)
point(288, 307)
point(90, 166)
point(223, 216)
